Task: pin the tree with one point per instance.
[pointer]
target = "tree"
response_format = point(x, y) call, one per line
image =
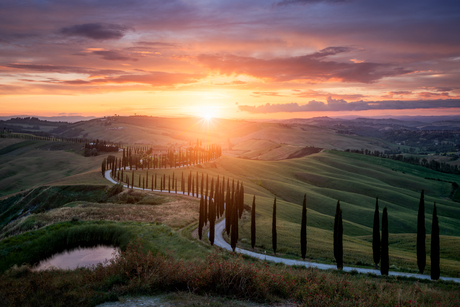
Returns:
point(435, 270)
point(421, 234)
point(253, 223)
point(212, 220)
point(274, 236)
point(376, 235)
point(385, 261)
point(234, 225)
point(132, 179)
point(103, 167)
point(338, 237)
point(303, 228)
point(200, 222)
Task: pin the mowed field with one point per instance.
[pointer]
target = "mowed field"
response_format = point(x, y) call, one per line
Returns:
point(356, 181)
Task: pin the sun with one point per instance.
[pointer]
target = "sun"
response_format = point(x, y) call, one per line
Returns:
point(207, 114)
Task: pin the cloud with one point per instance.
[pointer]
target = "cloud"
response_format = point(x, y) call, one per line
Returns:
point(304, 2)
point(342, 105)
point(427, 95)
point(156, 78)
point(45, 68)
point(323, 94)
point(260, 94)
point(113, 55)
point(307, 68)
point(97, 31)
point(391, 94)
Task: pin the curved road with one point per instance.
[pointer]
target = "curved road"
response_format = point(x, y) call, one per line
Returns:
point(219, 241)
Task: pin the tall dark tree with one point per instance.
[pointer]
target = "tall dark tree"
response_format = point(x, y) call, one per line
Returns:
point(376, 235)
point(385, 261)
point(421, 234)
point(200, 222)
point(241, 200)
point(228, 210)
point(234, 225)
point(132, 179)
point(435, 269)
point(212, 220)
point(103, 167)
point(274, 236)
point(303, 228)
point(338, 237)
point(253, 223)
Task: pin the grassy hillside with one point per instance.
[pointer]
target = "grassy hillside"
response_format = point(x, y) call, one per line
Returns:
point(25, 164)
point(356, 181)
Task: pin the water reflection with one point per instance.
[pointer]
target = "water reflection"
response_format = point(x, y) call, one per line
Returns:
point(79, 257)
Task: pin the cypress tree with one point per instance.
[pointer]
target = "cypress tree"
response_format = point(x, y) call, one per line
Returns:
point(212, 220)
point(152, 182)
point(253, 223)
point(205, 215)
point(155, 181)
point(421, 234)
point(197, 183)
point(202, 182)
point(132, 179)
point(338, 237)
point(303, 228)
point(228, 211)
point(182, 184)
point(435, 270)
point(140, 181)
point(385, 258)
point(241, 200)
point(173, 182)
point(376, 235)
point(200, 222)
point(274, 236)
point(234, 225)
point(169, 184)
point(193, 186)
point(103, 167)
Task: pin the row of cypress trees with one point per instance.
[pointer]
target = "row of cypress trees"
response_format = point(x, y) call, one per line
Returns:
point(380, 248)
point(222, 199)
point(212, 207)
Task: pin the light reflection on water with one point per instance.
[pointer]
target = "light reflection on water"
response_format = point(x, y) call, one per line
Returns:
point(79, 257)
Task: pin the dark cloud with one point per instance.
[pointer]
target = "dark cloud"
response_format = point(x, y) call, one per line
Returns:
point(310, 68)
point(342, 105)
point(62, 69)
point(304, 2)
point(113, 56)
point(156, 44)
point(98, 31)
point(155, 78)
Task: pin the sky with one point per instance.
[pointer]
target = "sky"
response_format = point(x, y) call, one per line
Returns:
point(230, 59)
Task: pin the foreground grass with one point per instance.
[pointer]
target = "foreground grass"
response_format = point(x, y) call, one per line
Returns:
point(139, 272)
point(31, 247)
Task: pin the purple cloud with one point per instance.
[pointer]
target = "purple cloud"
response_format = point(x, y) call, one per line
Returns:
point(97, 31)
point(342, 105)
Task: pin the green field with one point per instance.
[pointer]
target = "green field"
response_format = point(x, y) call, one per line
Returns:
point(25, 163)
point(356, 181)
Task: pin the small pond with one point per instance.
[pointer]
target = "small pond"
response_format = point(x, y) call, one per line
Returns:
point(80, 257)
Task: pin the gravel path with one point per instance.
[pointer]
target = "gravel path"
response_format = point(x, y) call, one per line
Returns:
point(219, 241)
